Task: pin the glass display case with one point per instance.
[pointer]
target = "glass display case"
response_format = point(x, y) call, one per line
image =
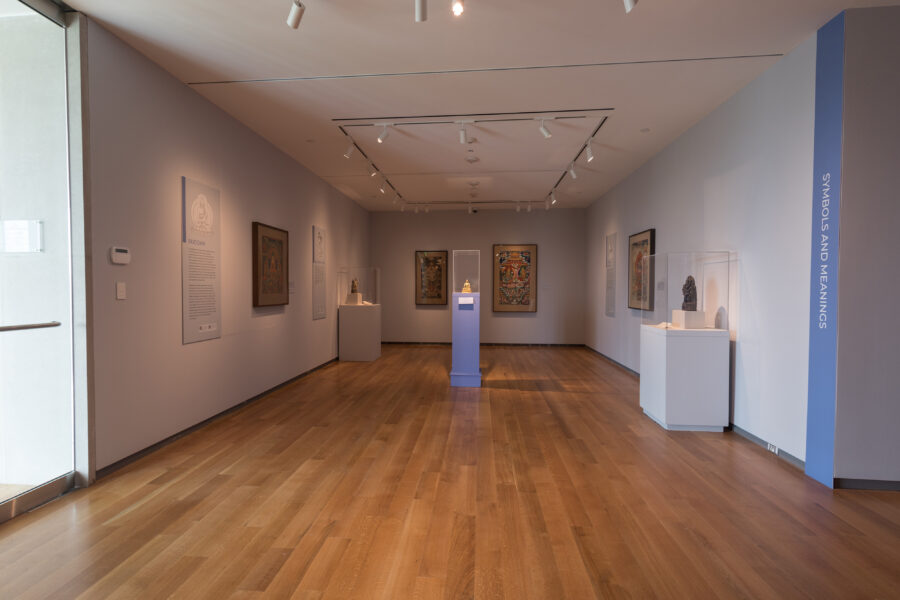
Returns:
point(685, 290)
point(368, 288)
point(467, 267)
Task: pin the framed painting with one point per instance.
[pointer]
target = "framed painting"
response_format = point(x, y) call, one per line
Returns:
point(640, 271)
point(431, 277)
point(270, 265)
point(515, 278)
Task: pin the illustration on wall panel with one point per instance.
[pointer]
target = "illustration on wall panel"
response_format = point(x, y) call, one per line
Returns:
point(641, 246)
point(431, 277)
point(270, 265)
point(515, 278)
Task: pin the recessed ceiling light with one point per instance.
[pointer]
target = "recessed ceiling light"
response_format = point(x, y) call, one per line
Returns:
point(457, 7)
point(297, 10)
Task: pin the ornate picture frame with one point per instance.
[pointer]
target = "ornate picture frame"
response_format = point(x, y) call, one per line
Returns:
point(641, 246)
point(515, 278)
point(431, 271)
point(270, 265)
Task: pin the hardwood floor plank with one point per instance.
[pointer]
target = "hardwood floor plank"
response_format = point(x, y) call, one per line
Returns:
point(379, 481)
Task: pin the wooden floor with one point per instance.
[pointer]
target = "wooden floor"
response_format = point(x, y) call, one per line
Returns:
point(375, 480)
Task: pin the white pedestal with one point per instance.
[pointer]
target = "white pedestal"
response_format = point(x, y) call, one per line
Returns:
point(684, 377)
point(689, 319)
point(360, 332)
point(354, 299)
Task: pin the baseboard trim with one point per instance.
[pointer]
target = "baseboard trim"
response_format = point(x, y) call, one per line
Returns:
point(613, 361)
point(843, 483)
point(165, 442)
point(488, 344)
point(785, 456)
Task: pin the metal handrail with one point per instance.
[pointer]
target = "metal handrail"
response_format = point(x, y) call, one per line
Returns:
point(29, 326)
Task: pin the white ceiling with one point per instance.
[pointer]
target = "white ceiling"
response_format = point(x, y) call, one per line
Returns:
point(659, 69)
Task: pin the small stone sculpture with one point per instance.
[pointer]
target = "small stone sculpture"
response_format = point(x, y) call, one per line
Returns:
point(689, 289)
point(354, 286)
point(467, 288)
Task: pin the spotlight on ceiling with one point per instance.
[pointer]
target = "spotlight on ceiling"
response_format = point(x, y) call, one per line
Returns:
point(547, 204)
point(396, 199)
point(553, 197)
point(463, 138)
point(572, 171)
point(629, 5)
point(544, 131)
point(382, 186)
point(350, 150)
point(372, 170)
point(384, 133)
point(589, 153)
point(297, 10)
point(421, 11)
point(457, 7)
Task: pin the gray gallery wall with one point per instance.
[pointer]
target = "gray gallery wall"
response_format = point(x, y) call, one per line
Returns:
point(867, 445)
point(147, 130)
point(559, 234)
point(740, 180)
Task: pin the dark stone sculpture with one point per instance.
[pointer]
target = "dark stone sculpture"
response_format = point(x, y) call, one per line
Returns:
point(689, 289)
point(354, 286)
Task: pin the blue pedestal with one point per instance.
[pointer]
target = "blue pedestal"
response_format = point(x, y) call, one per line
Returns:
point(465, 371)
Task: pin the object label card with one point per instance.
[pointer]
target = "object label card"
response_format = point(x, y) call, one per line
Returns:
point(201, 266)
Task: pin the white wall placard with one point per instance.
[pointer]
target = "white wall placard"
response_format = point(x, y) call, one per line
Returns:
point(320, 311)
point(201, 288)
point(22, 236)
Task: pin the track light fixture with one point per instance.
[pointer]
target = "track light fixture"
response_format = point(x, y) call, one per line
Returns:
point(396, 200)
point(589, 153)
point(463, 137)
point(518, 207)
point(384, 133)
point(457, 7)
point(528, 208)
point(372, 170)
point(572, 171)
point(547, 204)
point(629, 5)
point(553, 197)
point(544, 131)
point(421, 11)
point(383, 185)
point(297, 10)
point(350, 150)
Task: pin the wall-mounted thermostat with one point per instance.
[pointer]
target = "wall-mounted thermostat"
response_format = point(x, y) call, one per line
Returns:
point(119, 255)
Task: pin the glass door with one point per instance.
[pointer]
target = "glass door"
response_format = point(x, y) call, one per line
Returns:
point(36, 361)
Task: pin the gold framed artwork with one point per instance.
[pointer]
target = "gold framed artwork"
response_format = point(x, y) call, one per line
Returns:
point(641, 246)
point(431, 277)
point(270, 265)
point(515, 278)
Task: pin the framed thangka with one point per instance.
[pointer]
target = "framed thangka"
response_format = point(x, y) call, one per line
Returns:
point(270, 265)
point(515, 278)
point(431, 277)
point(641, 246)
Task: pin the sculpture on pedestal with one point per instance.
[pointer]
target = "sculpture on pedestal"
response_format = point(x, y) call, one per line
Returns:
point(354, 286)
point(467, 287)
point(689, 289)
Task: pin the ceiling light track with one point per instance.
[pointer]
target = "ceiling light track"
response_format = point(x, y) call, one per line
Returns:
point(458, 117)
point(570, 170)
point(487, 69)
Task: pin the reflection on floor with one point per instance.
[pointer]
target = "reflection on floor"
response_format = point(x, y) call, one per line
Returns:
point(8, 491)
point(376, 480)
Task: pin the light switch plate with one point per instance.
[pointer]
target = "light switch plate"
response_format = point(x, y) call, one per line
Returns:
point(121, 291)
